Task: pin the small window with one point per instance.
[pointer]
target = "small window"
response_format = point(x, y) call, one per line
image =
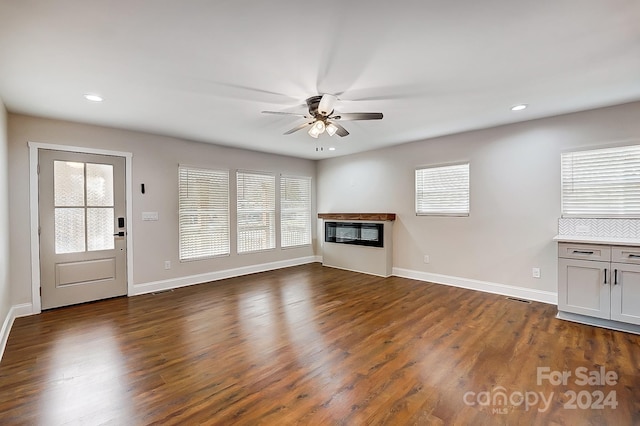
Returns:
point(443, 190)
point(203, 213)
point(256, 211)
point(601, 183)
point(295, 211)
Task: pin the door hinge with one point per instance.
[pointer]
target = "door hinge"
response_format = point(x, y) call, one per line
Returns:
point(38, 168)
point(39, 229)
point(40, 291)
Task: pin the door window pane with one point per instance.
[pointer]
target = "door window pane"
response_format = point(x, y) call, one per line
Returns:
point(68, 181)
point(100, 229)
point(69, 229)
point(99, 185)
point(89, 225)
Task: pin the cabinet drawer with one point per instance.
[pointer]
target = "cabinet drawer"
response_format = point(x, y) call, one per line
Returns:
point(584, 251)
point(623, 254)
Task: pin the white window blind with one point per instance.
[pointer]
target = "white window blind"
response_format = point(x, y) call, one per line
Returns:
point(203, 212)
point(601, 183)
point(295, 211)
point(256, 211)
point(443, 190)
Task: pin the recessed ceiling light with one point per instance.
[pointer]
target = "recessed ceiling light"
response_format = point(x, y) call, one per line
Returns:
point(93, 98)
point(518, 107)
point(332, 149)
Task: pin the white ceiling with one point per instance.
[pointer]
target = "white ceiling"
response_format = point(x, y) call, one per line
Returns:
point(204, 70)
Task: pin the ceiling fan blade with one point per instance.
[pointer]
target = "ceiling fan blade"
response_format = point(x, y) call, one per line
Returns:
point(384, 93)
point(342, 132)
point(325, 107)
point(206, 87)
point(297, 114)
point(300, 127)
point(359, 116)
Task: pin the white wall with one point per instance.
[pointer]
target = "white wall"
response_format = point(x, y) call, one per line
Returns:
point(515, 195)
point(5, 261)
point(155, 163)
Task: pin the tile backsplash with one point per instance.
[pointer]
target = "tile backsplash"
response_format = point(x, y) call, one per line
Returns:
point(614, 228)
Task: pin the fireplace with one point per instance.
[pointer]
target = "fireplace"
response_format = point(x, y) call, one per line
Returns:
point(360, 242)
point(355, 233)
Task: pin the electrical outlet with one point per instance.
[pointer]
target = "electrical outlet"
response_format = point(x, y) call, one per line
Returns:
point(426, 258)
point(535, 272)
point(167, 264)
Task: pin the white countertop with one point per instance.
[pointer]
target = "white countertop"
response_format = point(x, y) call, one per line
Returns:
point(597, 240)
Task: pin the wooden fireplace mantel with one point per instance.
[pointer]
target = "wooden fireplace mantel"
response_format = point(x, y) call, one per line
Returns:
point(358, 216)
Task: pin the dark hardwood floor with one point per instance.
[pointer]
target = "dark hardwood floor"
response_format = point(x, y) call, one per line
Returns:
point(320, 346)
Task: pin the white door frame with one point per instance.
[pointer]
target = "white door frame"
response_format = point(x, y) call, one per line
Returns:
point(33, 211)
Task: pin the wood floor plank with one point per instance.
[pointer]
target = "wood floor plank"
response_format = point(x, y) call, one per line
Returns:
point(312, 345)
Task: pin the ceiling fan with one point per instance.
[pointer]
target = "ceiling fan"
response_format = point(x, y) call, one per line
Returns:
point(322, 117)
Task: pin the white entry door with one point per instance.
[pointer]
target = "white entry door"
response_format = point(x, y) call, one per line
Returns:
point(82, 227)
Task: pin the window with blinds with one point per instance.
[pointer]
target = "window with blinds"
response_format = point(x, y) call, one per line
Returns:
point(601, 183)
point(203, 213)
point(256, 211)
point(443, 190)
point(295, 211)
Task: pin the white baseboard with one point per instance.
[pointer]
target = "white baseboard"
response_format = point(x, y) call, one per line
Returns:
point(485, 286)
point(169, 284)
point(355, 270)
point(15, 311)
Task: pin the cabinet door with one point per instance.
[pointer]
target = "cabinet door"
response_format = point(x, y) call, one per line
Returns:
point(584, 287)
point(625, 293)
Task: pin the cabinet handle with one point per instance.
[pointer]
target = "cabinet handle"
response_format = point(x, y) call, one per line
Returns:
point(634, 256)
point(605, 275)
point(615, 277)
point(585, 252)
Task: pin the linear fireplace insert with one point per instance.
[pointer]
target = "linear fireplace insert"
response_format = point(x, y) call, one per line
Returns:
point(356, 233)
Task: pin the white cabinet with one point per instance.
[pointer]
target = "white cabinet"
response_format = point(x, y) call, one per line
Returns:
point(582, 288)
point(599, 281)
point(625, 293)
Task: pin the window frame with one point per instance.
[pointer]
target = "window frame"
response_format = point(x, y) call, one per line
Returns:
point(600, 215)
point(307, 210)
point(271, 228)
point(227, 249)
point(443, 213)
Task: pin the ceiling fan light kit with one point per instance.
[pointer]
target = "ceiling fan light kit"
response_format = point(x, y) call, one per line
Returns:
point(331, 129)
point(317, 129)
point(325, 107)
point(323, 117)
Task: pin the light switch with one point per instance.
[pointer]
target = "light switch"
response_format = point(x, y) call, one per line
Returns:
point(149, 216)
